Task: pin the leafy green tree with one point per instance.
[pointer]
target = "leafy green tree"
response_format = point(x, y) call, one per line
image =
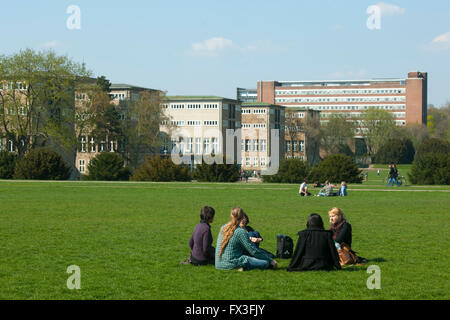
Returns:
point(37, 99)
point(156, 168)
point(216, 172)
point(7, 164)
point(396, 150)
point(336, 168)
point(104, 84)
point(337, 134)
point(439, 121)
point(290, 171)
point(108, 166)
point(42, 164)
point(377, 126)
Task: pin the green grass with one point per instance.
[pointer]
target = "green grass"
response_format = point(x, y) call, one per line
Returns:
point(128, 240)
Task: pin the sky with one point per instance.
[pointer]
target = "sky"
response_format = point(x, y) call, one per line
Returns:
point(209, 47)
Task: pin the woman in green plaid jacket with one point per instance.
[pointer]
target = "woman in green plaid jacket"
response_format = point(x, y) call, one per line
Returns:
point(231, 244)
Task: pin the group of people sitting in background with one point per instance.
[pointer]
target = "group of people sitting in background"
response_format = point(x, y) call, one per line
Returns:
point(238, 245)
point(326, 191)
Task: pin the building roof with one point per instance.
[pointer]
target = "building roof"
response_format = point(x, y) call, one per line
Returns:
point(260, 104)
point(196, 98)
point(117, 86)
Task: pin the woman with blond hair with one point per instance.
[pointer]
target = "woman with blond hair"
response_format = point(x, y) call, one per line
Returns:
point(233, 241)
point(342, 230)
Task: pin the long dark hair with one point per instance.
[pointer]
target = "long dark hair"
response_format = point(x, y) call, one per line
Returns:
point(314, 221)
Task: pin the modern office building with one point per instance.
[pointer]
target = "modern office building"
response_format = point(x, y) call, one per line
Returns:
point(405, 98)
point(258, 120)
point(198, 125)
point(247, 95)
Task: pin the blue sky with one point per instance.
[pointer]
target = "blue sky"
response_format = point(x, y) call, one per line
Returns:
point(212, 47)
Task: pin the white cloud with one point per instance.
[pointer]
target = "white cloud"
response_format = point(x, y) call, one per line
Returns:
point(442, 39)
point(388, 9)
point(211, 46)
point(49, 44)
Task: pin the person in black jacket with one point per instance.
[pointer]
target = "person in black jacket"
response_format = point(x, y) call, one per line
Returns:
point(315, 249)
point(342, 230)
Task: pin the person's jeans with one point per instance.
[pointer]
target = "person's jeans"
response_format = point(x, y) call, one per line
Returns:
point(392, 180)
point(254, 263)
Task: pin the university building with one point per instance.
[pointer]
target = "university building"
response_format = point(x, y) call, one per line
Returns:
point(405, 98)
point(258, 120)
point(197, 127)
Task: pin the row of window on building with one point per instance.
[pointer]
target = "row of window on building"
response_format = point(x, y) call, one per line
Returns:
point(91, 146)
point(254, 145)
point(176, 106)
point(296, 145)
point(342, 99)
point(341, 92)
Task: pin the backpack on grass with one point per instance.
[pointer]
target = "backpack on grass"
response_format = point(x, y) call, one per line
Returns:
point(285, 246)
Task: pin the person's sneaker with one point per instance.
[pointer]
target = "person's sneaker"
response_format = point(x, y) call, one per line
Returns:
point(188, 261)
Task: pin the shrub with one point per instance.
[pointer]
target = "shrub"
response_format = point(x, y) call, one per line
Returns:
point(42, 164)
point(7, 164)
point(432, 163)
point(157, 169)
point(336, 168)
point(216, 172)
point(290, 171)
point(107, 166)
point(400, 151)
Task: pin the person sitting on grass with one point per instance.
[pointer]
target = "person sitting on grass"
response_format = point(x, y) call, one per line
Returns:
point(342, 230)
point(315, 249)
point(231, 243)
point(254, 236)
point(327, 191)
point(342, 192)
point(202, 251)
point(303, 191)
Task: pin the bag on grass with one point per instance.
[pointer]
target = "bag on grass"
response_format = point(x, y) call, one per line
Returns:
point(347, 255)
point(285, 246)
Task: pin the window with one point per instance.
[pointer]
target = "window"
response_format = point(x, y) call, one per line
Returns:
point(206, 146)
point(245, 111)
point(294, 146)
point(10, 146)
point(255, 161)
point(247, 162)
point(173, 145)
point(263, 162)
point(255, 145)
point(189, 145)
point(247, 145)
point(181, 145)
point(288, 146)
point(111, 146)
point(198, 145)
point(302, 145)
point(83, 144)
point(92, 145)
point(210, 123)
point(81, 166)
point(263, 145)
point(215, 145)
point(242, 144)
point(211, 106)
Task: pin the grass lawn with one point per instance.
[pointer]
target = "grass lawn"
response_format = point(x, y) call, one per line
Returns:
point(129, 238)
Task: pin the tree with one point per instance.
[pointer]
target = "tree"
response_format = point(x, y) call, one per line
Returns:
point(438, 121)
point(336, 168)
point(141, 130)
point(376, 127)
point(7, 164)
point(37, 100)
point(108, 166)
point(290, 171)
point(216, 172)
point(396, 150)
point(336, 134)
point(156, 168)
point(432, 163)
point(42, 164)
point(104, 84)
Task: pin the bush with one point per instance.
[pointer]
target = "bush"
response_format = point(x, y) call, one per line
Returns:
point(432, 163)
point(42, 164)
point(157, 169)
point(290, 171)
point(7, 164)
point(336, 168)
point(107, 166)
point(216, 172)
point(400, 151)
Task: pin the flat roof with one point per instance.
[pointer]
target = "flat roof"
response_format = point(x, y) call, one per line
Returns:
point(193, 98)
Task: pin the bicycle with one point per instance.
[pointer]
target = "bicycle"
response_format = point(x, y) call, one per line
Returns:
point(400, 179)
